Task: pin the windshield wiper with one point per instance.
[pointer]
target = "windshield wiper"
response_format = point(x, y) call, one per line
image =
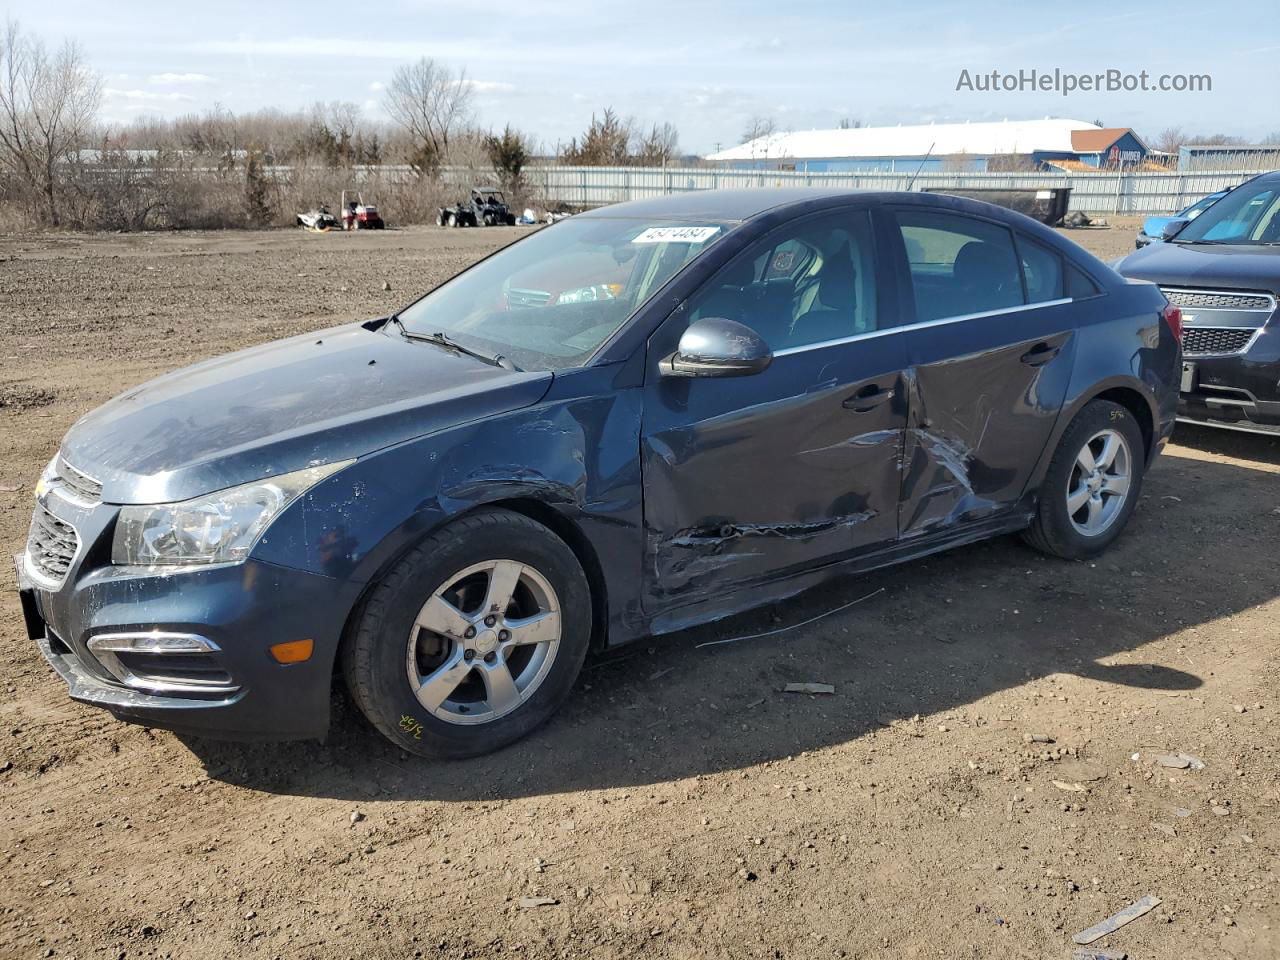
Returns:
point(441, 339)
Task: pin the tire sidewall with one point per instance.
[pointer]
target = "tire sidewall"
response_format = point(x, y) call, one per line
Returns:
point(416, 729)
point(1096, 416)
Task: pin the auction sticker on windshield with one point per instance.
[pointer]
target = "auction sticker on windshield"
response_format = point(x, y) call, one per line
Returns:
point(677, 235)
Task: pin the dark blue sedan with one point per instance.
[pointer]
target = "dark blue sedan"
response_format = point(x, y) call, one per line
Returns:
point(639, 419)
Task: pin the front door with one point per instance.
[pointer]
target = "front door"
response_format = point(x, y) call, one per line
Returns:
point(991, 345)
point(751, 478)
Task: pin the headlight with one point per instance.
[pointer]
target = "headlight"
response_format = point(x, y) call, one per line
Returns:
point(219, 527)
point(601, 291)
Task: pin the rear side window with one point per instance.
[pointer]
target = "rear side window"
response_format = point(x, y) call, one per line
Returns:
point(1079, 284)
point(1042, 268)
point(959, 265)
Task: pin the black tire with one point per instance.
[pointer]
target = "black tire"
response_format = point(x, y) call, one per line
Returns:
point(1052, 531)
point(374, 653)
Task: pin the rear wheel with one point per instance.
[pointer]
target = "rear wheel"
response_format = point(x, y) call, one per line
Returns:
point(1092, 485)
point(473, 640)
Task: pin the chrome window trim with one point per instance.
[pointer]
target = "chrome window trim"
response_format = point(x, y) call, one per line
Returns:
point(924, 324)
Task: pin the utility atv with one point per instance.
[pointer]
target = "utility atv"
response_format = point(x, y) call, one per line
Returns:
point(482, 206)
point(358, 215)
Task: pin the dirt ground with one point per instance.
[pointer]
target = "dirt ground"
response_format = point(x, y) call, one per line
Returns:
point(680, 805)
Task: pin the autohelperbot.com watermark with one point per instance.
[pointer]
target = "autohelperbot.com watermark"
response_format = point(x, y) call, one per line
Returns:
point(1066, 82)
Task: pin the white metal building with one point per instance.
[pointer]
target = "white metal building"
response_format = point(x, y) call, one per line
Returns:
point(940, 146)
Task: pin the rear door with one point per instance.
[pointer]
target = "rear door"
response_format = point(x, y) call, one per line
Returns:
point(991, 342)
point(750, 478)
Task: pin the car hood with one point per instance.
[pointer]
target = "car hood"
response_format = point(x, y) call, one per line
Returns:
point(317, 398)
point(1242, 267)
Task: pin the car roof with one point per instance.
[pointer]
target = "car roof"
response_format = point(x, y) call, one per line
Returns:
point(720, 205)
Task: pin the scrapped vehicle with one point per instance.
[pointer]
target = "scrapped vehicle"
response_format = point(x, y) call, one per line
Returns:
point(357, 214)
point(1223, 270)
point(483, 206)
point(1153, 227)
point(318, 218)
point(723, 398)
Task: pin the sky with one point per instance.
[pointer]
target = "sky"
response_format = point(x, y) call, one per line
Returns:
point(545, 65)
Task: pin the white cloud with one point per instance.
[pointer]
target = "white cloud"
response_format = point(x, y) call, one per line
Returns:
point(169, 79)
point(144, 96)
point(492, 86)
point(377, 85)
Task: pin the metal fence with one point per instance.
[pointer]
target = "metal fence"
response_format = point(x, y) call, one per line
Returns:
point(1103, 192)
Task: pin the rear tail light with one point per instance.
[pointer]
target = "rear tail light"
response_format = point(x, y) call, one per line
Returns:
point(1173, 317)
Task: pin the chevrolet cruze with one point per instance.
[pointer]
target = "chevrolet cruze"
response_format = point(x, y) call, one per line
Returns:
point(640, 419)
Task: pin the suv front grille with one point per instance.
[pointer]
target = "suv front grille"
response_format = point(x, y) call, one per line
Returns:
point(1198, 341)
point(51, 545)
point(1215, 300)
point(80, 485)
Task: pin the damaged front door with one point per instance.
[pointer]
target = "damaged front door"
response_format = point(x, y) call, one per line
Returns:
point(752, 478)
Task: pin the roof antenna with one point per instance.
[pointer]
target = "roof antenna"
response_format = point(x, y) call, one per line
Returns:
point(921, 167)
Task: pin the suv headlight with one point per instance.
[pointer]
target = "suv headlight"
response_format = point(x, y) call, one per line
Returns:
point(219, 527)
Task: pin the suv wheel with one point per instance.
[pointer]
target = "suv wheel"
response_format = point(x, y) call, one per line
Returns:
point(1092, 485)
point(473, 639)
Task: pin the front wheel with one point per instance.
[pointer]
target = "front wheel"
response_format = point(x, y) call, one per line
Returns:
point(472, 640)
point(1092, 485)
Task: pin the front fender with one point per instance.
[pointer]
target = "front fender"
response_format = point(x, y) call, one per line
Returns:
point(575, 451)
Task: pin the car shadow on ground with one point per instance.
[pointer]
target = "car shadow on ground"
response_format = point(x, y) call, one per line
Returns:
point(934, 636)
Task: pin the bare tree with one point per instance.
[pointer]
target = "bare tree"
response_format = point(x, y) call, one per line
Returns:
point(758, 127)
point(47, 104)
point(430, 103)
point(1169, 140)
point(659, 147)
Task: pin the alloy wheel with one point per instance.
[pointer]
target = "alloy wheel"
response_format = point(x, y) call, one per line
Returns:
point(1099, 484)
point(483, 642)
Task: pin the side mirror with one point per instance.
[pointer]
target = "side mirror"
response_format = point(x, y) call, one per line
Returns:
point(718, 347)
point(1173, 228)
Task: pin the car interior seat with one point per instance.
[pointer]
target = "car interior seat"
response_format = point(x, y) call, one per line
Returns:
point(835, 306)
point(984, 278)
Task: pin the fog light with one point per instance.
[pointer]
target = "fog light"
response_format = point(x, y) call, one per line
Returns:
point(293, 651)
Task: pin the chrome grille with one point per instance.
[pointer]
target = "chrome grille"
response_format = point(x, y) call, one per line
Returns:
point(1220, 300)
point(80, 485)
point(1197, 341)
point(51, 545)
point(517, 297)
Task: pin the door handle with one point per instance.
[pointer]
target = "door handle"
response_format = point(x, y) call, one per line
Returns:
point(866, 402)
point(1040, 354)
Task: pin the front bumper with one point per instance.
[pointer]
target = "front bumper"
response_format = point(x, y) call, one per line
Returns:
point(241, 610)
point(1239, 391)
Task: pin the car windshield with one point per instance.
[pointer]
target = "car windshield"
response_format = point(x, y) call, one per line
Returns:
point(1250, 214)
point(549, 301)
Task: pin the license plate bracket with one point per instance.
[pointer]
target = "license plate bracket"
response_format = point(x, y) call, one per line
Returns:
point(1188, 376)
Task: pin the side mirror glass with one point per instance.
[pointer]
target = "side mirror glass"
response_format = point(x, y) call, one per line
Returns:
point(1173, 228)
point(718, 347)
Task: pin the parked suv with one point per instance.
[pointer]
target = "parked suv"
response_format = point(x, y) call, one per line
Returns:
point(1223, 270)
point(723, 398)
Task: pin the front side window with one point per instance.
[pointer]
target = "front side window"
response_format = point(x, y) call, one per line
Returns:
point(959, 265)
point(548, 302)
point(805, 283)
point(1249, 214)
